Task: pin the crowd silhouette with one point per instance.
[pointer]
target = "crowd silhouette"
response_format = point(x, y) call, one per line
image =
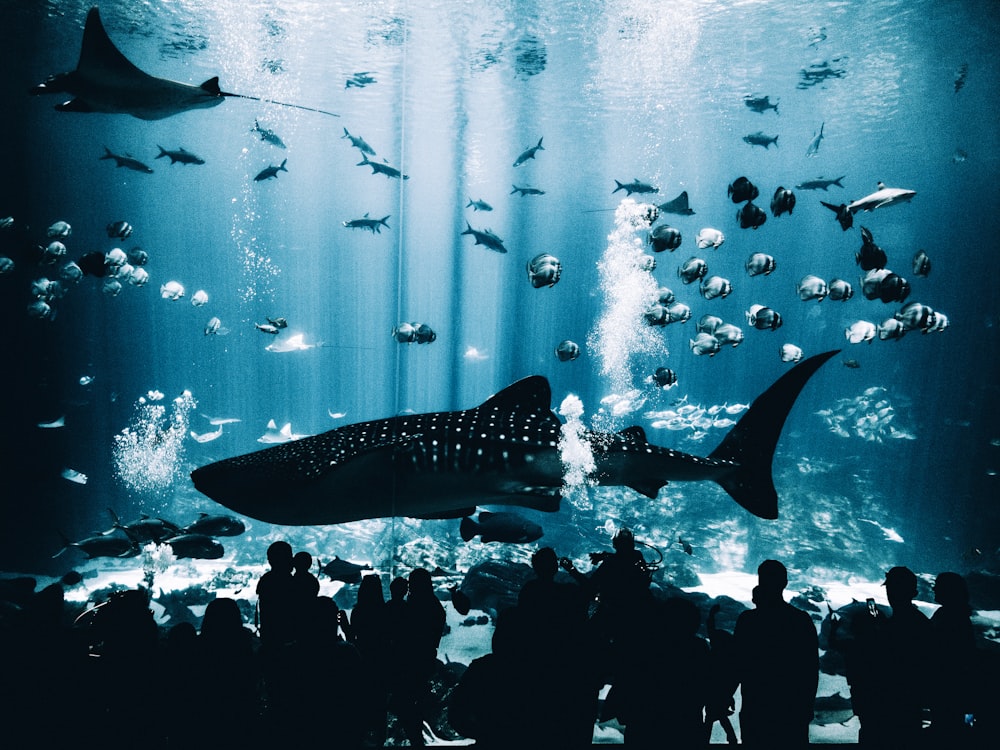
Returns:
point(591, 647)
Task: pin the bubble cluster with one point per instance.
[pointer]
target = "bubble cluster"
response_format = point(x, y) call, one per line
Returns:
point(629, 290)
point(148, 453)
point(576, 454)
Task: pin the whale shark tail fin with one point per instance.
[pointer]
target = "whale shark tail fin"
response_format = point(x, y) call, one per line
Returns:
point(751, 442)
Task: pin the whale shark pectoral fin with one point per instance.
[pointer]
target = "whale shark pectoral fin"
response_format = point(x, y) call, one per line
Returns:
point(648, 487)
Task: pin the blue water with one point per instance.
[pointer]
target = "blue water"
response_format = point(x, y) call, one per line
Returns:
point(618, 91)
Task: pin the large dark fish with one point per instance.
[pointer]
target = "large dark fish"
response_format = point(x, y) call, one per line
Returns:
point(511, 528)
point(215, 525)
point(502, 452)
point(741, 189)
point(106, 81)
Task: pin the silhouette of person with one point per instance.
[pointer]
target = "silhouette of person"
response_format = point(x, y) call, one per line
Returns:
point(559, 654)
point(620, 583)
point(368, 629)
point(778, 660)
point(276, 598)
point(724, 679)
point(422, 627)
point(884, 669)
point(954, 655)
point(225, 651)
point(305, 588)
point(658, 712)
point(490, 704)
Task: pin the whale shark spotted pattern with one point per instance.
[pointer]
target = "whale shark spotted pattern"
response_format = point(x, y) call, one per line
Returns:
point(503, 452)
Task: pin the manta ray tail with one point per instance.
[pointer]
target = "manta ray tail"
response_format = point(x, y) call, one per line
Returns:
point(212, 85)
point(752, 441)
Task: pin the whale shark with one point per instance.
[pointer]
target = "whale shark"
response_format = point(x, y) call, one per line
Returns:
point(503, 452)
point(106, 81)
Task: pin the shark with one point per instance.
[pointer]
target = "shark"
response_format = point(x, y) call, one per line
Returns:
point(884, 196)
point(106, 81)
point(503, 452)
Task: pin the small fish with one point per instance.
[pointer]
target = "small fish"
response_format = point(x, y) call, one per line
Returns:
point(819, 184)
point(728, 334)
point(523, 191)
point(528, 153)
point(126, 161)
point(760, 104)
point(959, 156)
point(372, 225)
point(840, 290)
point(790, 353)
point(381, 168)
point(172, 291)
point(61, 422)
point(664, 377)
point(199, 298)
point(180, 155)
point(685, 545)
point(359, 143)
point(214, 327)
point(120, 230)
point(692, 270)
point(705, 343)
point(921, 264)
point(636, 186)
point(960, 75)
point(870, 255)
point(716, 286)
point(860, 331)
point(890, 328)
point(479, 205)
point(760, 264)
point(883, 284)
point(750, 216)
point(6, 265)
point(760, 139)
point(813, 147)
point(58, 230)
point(782, 202)
point(665, 237)
point(812, 287)
point(486, 238)
point(567, 351)
point(709, 237)
point(271, 171)
point(544, 270)
point(267, 135)
point(6, 222)
point(852, 364)
point(278, 322)
point(763, 318)
point(216, 421)
point(741, 190)
point(267, 328)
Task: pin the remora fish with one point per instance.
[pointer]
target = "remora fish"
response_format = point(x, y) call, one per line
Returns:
point(126, 161)
point(502, 452)
point(106, 81)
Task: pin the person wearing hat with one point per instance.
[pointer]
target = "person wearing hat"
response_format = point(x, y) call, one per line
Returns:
point(778, 660)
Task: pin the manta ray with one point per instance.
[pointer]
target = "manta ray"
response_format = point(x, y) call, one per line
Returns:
point(106, 81)
point(503, 452)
